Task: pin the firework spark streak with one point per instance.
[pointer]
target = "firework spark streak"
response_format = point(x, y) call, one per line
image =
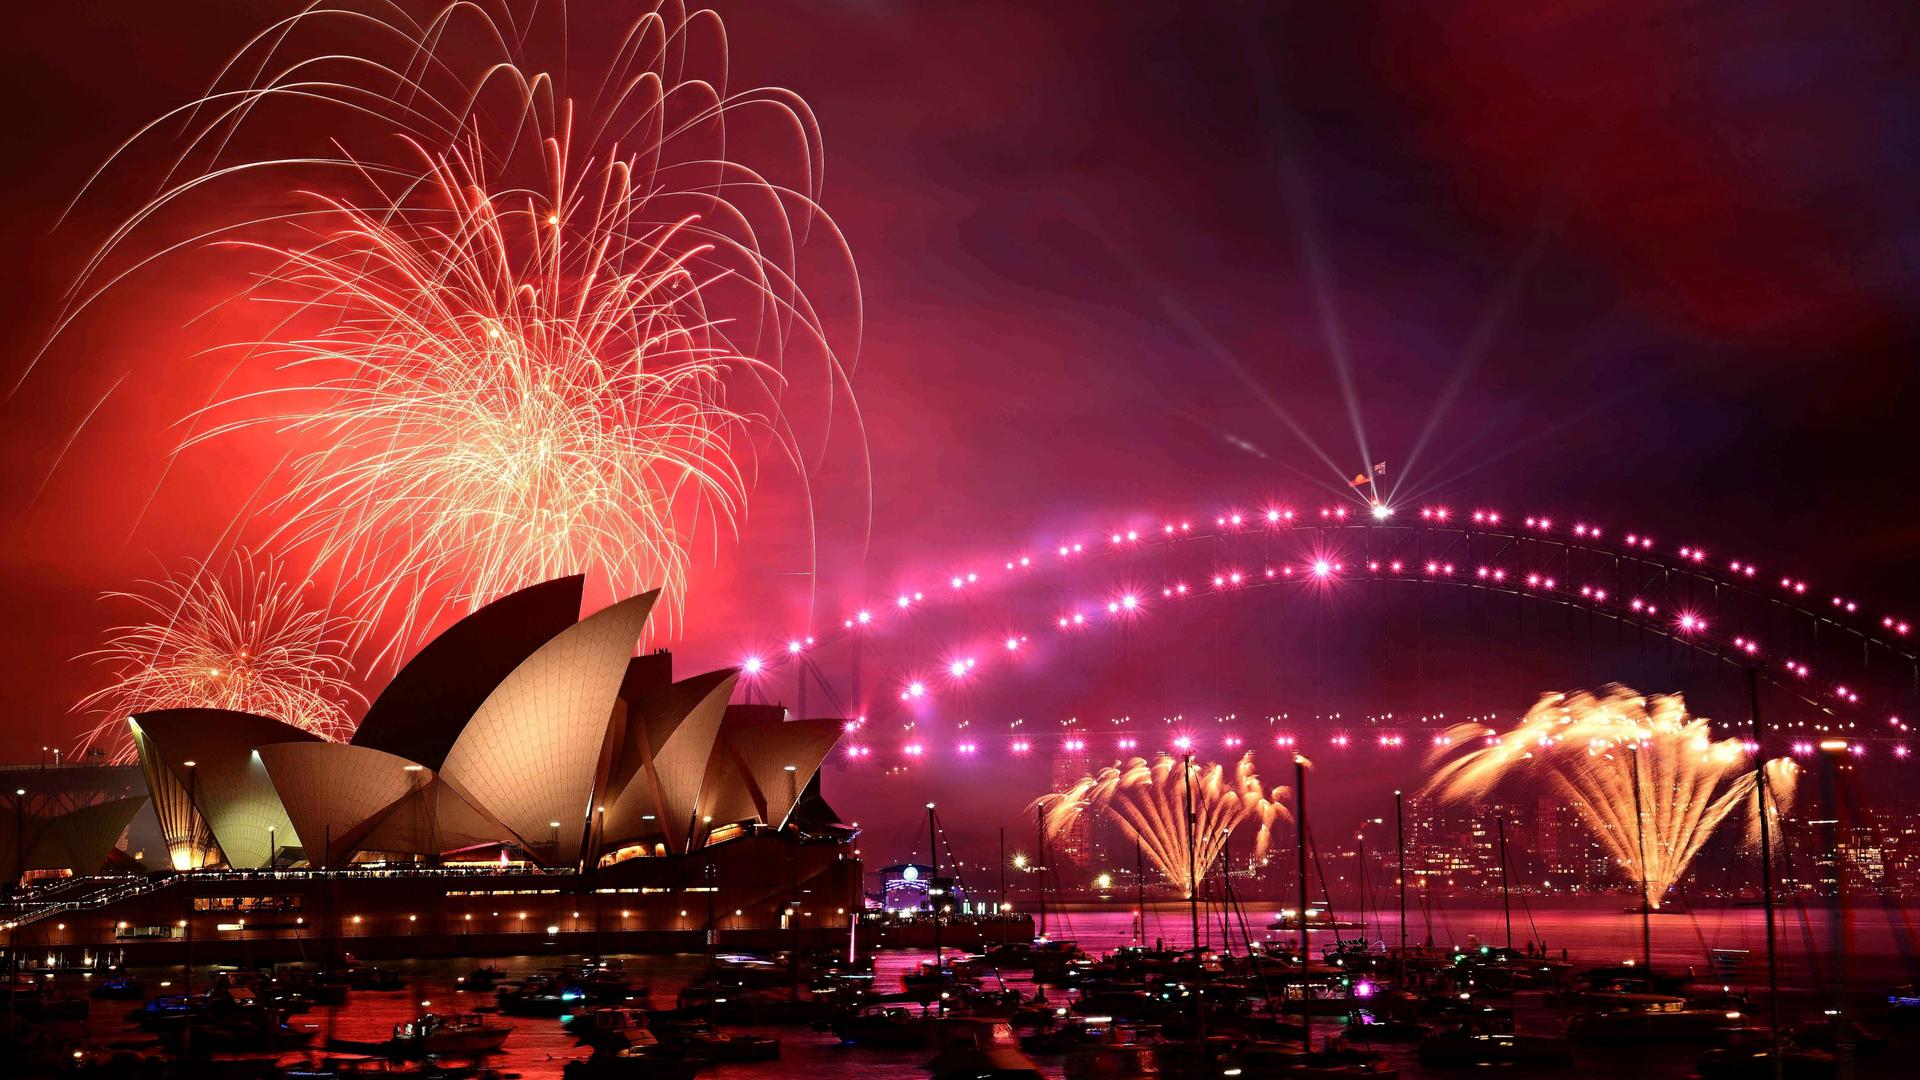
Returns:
point(526, 332)
point(245, 641)
point(1148, 802)
point(1590, 747)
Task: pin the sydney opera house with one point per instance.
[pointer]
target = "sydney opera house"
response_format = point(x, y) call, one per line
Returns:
point(524, 778)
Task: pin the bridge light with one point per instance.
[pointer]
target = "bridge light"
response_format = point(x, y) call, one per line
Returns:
point(1381, 511)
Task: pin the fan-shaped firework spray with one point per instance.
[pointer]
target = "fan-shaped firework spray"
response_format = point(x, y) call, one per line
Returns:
point(1590, 746)
point(1148, 802)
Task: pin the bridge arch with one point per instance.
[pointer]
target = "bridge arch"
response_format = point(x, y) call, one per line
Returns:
point(1843, 656)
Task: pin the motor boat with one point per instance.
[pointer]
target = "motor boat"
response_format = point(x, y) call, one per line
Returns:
point(452, 1034)
point(118, 987)
point(701, 1040)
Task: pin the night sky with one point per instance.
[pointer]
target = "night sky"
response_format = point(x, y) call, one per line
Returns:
point(1651, 263)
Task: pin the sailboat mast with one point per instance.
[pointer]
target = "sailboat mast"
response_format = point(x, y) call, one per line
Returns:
point(1040, 858)
point(1766, 868)
point(1400, 843)
point(1193, 876)
point(1300, 845)
point(1003, 885)
point(1139, 897)
point(1506, 897)
point(933, 885)
point(1646, 897)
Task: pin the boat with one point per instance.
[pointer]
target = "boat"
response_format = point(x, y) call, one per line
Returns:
point(883, 1026)
point(40, 1000)
point(119, 987)
point(1464, 1045)
point(367, 977)
point(167, 1009)
point(632, 1064)
point(1368, 1026)
point(251, 1031)
point(701, 1040)
point(1075, 1033)
point(320, 987)
point(1317, 919)
point(1649, 1018)
point(1756, 1063)
point(347, 1068)
point(457, 1034)
point(1282, 1061)
point(542, 995)
point(481, 978)
point(609, 1024)
point(1110, 1061)
point(983, 1063)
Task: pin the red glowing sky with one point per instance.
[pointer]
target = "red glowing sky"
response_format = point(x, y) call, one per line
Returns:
point(1653, 262)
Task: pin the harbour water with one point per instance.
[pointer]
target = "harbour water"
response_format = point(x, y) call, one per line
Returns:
point(1595, 932)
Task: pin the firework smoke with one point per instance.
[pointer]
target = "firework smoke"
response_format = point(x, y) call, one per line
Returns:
point(525, 328)
point(1149, 803)
point(245, 641)
point(1590, 748)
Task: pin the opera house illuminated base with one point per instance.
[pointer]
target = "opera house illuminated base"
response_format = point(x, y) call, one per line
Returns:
point(523, 780)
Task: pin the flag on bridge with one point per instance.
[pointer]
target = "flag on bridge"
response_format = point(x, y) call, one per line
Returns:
point(1363, 479)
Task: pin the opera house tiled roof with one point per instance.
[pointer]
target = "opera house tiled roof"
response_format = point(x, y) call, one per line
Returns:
point(521, 726)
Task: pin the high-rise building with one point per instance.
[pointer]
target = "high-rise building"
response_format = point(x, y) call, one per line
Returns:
point(1074, 845)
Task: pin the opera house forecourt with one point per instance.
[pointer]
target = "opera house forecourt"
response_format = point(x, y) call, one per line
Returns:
point(524, 783)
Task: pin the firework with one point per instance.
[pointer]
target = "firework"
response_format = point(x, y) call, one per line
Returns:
point(246, 641)
point(1149, 803)
point(522, 332)
point(1642, 774)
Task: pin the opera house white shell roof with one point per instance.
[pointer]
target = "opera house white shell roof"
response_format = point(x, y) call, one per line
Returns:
point(518, 727)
